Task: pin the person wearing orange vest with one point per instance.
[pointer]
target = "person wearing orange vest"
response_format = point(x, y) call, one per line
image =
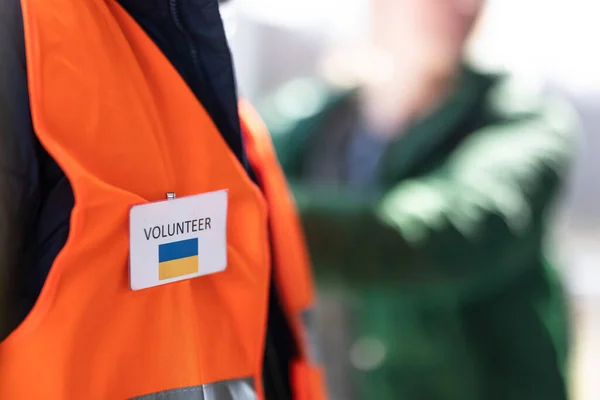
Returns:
point(149, 247)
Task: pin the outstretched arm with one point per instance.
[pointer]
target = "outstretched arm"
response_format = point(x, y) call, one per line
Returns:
point(472, 222)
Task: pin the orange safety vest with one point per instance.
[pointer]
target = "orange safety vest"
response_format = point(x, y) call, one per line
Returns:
point(123, 125)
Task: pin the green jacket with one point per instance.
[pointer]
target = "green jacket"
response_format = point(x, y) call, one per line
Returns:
point(443, 253)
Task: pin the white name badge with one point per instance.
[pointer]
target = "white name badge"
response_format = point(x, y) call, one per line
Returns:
point(177, 239)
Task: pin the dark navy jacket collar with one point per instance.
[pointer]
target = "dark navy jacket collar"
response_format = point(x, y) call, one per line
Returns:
point(161, 8)
point(147, 7)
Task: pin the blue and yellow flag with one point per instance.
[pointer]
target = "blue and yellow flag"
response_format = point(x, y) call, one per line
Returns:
point(177, 259)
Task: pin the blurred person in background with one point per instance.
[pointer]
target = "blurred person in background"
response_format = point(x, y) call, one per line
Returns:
point(424, 185)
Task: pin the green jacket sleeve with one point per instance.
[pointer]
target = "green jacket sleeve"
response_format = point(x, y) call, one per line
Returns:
point(476, 221)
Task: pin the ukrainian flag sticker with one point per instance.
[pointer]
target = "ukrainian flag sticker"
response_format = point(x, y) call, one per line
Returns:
point(177, 259)
point(177, 239)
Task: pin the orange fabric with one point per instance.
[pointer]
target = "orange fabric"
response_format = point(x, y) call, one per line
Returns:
point(293, 273)
point(290, 250)
point(307, 381)
point(123, 125)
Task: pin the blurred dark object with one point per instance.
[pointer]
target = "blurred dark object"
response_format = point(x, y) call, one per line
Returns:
point(439, 249)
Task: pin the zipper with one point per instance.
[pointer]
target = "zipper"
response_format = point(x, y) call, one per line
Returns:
point(175, 7)
point(175, 10)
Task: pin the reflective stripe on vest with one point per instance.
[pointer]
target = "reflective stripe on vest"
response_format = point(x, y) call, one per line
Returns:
point(235, 389)
point(124, 127)
point(310, 336)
